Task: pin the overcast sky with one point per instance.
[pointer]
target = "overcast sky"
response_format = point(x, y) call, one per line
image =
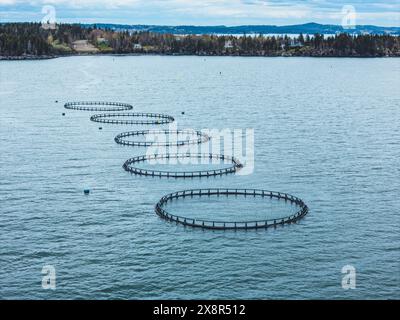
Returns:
point(204, 12)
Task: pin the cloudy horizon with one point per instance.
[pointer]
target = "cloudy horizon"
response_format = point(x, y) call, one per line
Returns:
point(203, 12)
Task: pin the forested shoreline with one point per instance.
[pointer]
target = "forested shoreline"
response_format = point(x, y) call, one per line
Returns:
point(35, 41)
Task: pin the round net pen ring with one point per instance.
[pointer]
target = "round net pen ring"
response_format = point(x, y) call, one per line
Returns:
point(114, 118)
point(95, 106)
point(231, 225)
point(200, 138)
point(129, 166)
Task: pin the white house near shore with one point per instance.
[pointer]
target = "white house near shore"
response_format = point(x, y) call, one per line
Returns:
point(102, 40)
point(228, 44)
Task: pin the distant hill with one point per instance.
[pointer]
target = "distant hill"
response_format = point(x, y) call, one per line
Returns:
point(308, 28)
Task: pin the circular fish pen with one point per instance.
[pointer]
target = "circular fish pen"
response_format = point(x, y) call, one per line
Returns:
point(98, 106)
point(114, 118)
point(129, 166)
point(231, 225)
point(162, 135)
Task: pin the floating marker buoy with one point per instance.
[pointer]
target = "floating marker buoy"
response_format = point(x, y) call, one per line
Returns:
point(63, 114)
point(100, 128)
point(56, 101)
point(183, 112)
point(86, 191)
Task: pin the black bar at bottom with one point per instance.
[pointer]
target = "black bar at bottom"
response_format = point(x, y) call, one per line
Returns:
point(197, 309)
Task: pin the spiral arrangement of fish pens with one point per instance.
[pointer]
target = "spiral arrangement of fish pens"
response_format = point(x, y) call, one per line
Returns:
point(161, 135)
point(235, 165)
point(156, 119)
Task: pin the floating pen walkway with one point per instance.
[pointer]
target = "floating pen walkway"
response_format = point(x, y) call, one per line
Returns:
point(161, 138)
point(235, 165)
point(113, 118)
point(231, 225)
point(94, 106)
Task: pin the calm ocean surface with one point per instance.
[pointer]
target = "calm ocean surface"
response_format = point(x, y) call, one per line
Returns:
point(326, 130)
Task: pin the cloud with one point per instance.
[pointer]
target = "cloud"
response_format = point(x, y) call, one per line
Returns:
point(240, 9)
point(72, 3)
point(230, 12)
point(7, 2)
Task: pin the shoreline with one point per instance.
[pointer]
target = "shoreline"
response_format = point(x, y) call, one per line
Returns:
point(28, 57)
point(48, 57)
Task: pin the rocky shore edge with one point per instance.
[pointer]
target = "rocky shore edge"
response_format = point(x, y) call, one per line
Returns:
point(311, 54)
point(28, 57)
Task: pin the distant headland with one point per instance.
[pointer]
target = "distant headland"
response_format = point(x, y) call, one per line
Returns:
point(38, 41)
point(306, 28)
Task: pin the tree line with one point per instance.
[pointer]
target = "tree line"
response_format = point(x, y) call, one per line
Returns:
point(34, 39)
